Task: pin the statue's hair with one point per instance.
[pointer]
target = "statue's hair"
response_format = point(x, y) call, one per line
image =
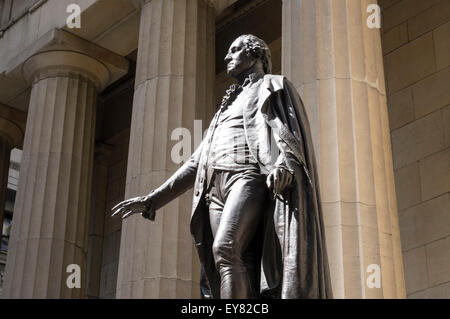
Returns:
point(259, 49)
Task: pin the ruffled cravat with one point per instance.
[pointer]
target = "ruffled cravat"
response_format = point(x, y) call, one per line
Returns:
point(230, 95)
point(234, 90)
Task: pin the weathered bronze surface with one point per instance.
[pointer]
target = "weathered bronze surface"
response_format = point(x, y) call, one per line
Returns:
point(256, 218)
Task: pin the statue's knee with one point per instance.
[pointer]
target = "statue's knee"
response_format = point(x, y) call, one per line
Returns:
point(224, 253)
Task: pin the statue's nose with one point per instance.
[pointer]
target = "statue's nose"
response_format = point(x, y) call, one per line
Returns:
point(227, 58)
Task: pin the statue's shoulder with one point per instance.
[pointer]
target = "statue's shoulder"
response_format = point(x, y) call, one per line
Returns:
point(271, 83)
point(275, 82)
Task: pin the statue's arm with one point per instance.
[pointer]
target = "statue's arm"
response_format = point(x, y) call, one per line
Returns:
point(287, 161)
point(177, 184)
point(283, 172)
point(284, 160)
point(182, 180)
point(284, 108)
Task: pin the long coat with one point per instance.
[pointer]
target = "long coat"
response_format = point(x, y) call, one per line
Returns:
point(294, 258)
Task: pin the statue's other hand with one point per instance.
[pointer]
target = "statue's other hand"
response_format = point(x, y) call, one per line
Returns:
point(279, 179)
point(138, 205)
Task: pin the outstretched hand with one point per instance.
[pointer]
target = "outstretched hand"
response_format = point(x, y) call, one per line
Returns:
point(138, 205)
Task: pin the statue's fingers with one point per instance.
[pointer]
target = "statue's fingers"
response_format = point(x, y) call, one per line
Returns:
point(121, 211)
point(121, 204)
point(116, 207)
point(152, 215)
point(284, 182)
point(148, 214)
point(274, 183)
point(277, 181)
point(116, 212)
point(269, 181)
point(127, 214)
point(290, 178)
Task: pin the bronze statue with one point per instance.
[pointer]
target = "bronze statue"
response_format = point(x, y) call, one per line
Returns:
point(256, 218)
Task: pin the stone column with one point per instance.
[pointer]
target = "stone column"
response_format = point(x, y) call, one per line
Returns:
point(52, 207)
point(97, 219)
point(336, 62)
point(174, 86)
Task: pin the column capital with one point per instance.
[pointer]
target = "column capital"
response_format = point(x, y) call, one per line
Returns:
point(73, 51)
point(66, 63)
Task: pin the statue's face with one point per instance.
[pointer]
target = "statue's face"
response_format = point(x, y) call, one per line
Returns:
point(237, 59)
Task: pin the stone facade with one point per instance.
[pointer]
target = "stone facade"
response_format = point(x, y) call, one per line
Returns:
point(103, 100)
point(416, 50)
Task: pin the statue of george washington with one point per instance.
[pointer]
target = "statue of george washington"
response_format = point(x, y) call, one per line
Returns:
point(256, 215)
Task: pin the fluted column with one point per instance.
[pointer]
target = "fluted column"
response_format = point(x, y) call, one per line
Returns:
point(174, 86)
point(52, 207)
point(336, 62)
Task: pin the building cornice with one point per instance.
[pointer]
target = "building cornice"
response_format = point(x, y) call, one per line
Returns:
point(27, 11)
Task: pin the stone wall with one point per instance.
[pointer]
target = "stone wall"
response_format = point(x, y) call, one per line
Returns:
point(416, 49)
point(12, 9)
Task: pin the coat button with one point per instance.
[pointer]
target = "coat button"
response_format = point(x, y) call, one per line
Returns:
point(197, 193)
point(202, 180)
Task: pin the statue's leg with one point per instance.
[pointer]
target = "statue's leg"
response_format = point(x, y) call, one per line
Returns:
point(234, 226)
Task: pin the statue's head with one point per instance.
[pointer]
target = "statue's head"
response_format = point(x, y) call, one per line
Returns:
point(246, 52)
